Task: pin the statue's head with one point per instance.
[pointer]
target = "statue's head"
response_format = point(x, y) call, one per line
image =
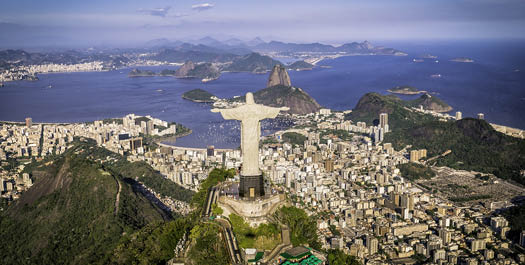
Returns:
point(249, 98)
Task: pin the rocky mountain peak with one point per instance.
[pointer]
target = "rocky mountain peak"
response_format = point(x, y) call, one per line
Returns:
point(279, 76)
point(185, 69)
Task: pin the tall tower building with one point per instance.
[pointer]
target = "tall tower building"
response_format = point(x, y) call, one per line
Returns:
point(29, 122)
point(481, 116)
point(459, 115)
point(522, 238)
point(383, 121)
point(210, 150)
point(372, 244)
point(445, 235)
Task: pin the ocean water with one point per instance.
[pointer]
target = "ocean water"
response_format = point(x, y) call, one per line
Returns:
point(494, 85)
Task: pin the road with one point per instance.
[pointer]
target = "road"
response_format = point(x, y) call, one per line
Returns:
point(211, 199)
point(231, 242)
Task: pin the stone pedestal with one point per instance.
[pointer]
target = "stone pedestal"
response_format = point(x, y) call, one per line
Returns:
point(251, 187)
point(254, 212)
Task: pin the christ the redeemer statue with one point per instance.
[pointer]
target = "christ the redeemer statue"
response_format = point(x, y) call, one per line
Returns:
point(250, 115)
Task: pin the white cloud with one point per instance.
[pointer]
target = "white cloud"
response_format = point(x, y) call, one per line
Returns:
point(158, 12)
point(202, 7)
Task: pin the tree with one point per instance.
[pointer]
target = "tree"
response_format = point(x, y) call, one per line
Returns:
point(303, 228)
point(338, 257)
point(208, 248)
point(216, 210)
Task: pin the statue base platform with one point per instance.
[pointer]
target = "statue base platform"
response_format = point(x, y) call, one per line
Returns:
point(254, 211)
point(251, 187)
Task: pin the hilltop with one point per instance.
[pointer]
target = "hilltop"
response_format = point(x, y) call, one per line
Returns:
point(300, 65)
point(371, 105)
point(279, 76)
point(429, 102)
point(80, 207)
point(475, 145)
point(295, 98)
point(280, 93)
point(253, 62)
point(206, 71)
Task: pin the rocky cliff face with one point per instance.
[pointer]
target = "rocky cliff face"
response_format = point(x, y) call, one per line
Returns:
point(202, 71)
point(280, 93)
point(279, 76)
point(185, 69)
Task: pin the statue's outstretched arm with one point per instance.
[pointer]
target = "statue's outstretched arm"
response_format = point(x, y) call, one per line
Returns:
point(229, 114)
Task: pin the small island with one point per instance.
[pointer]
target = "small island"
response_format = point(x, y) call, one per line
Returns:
point(428, 56)
point(204, 71)
point(141, 73)
point(300, 66)
point(405, 90)
point(462, 60)
point(199, 95)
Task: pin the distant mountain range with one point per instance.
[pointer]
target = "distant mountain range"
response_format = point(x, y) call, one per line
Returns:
point(258, 45)
point(239, 53)
point(10, 58)
point(350, 48)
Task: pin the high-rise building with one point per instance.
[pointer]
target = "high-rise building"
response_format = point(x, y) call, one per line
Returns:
point(445, 235)
point(414, 155)
point(459, 115)
point(210, 151)
point(522, 238)
point(329, 165)
point(439, 254)
point(489, 254)
point(477, 244)
point(383, 121)
point(422, 153)
point(143, 126)
point(29, 122)
point(372, 244)
point(149, 127)
point(481, 116)
point(325, 111)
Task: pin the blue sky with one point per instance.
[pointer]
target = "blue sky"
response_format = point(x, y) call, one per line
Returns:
point(330, 21)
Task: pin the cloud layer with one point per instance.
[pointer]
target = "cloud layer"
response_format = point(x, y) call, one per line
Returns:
point(157, 12)
point(202, 7)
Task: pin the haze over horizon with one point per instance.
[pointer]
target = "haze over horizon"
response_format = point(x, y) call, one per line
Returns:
point(29, 23)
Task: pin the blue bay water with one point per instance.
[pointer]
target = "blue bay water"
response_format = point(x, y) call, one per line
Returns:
point(494, 84)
